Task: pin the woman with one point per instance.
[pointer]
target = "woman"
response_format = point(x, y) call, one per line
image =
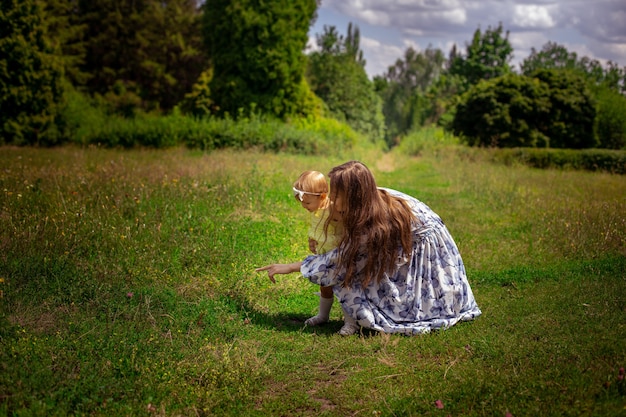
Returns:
point(396, 268)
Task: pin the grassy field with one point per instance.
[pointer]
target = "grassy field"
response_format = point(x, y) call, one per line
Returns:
point(128, 288)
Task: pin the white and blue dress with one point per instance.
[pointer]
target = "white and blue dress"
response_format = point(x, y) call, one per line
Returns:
point(427, 290)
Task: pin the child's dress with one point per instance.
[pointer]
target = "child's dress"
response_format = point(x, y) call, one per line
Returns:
point(316, 231)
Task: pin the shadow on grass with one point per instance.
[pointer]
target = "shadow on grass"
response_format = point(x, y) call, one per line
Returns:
point(290, 322)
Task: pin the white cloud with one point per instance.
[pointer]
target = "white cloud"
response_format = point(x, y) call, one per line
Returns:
point(532, 16)
point(594, 29)
point(380, 56)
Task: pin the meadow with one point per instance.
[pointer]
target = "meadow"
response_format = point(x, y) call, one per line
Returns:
point(128, 288)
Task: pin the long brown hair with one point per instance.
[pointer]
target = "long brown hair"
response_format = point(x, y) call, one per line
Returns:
point(376, 225)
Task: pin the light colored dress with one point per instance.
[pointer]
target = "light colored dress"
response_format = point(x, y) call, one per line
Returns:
point(428, 290)
point(316, 232)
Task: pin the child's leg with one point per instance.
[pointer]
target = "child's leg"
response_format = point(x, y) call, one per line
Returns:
point(350, 326)
point(326, 302)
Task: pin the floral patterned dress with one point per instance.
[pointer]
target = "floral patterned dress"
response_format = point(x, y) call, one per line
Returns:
point(428, 289)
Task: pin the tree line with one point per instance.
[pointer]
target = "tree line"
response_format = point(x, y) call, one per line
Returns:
point(236, 58)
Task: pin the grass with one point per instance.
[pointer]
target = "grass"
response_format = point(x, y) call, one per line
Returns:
point(128, 288)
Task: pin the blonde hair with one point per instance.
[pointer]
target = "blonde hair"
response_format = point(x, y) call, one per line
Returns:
point(376, 224)
point(312, 182)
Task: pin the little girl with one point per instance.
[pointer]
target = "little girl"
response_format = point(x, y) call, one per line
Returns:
point(311, 190)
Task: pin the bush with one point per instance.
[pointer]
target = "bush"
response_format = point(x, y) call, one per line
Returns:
point(501, 113)
point(87, 124)
point(551, 108)
point(424, 139)
point(587, 159)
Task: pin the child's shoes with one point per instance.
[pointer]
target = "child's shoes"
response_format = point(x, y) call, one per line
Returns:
point(316, 320)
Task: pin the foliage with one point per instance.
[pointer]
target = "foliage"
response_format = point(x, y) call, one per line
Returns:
point(555, 56)
point(611, 119)
point(425, 139)
point(337, 75)
point(570, 121)
point(198, 102)
point(256, 51)
point(549, 109)
point(31, 88)
point(142, 54)
point(502, 113)
point(67, 34)
point(612, 161)
point(87, 124)
point(127, 288)
point(486, 57)
point(406, 103)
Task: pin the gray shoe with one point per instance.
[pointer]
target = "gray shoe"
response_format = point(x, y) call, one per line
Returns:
point(349, 329)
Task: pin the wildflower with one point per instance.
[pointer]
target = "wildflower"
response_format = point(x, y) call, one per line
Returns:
point(439, 404)
point(129, 294)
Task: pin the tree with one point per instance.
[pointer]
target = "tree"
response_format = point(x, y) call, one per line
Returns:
point(31, 89)
point(502, 112)
point(405, 105)
point(66, 34)
point(256, 51)
point(570, 123)
point(136, 53)
point(547, 109)
point(487, 56)
point(337, 75)
point(555, 56)
point(611, 119)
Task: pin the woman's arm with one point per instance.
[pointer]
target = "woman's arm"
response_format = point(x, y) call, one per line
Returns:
point(280, 269)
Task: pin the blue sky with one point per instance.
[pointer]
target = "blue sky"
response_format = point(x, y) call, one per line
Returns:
point(595, 29)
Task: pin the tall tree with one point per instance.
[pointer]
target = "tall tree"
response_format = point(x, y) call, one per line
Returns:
point(257, 54)
point(66, 33)
point(337, 75)
point(488, 56)
point(141, 52)
point(555, 56)
point(31, 88)
point(404, 103)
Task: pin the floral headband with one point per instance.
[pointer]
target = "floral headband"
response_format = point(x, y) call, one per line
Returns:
point(300, 194)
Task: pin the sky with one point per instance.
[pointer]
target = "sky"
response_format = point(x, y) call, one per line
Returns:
point(592, 28)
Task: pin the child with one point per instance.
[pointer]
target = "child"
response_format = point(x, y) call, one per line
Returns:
point(311, 190)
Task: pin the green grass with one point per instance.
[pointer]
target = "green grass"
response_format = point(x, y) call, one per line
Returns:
point(128, 288)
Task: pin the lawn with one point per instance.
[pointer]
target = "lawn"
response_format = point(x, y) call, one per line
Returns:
point(127, 287)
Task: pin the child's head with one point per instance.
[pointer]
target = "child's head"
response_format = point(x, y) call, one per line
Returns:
point(311, 190)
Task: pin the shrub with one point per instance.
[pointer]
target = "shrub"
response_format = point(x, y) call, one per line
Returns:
point(423, 139)
point(500, 112)
point(548, 109)
point(612, 161)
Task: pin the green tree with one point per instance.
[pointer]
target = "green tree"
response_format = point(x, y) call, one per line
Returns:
point(502, 112)
point(570, 123)
point(66, 33)
point(31, 89)
point(611, 119)
point(404, 91)
point(555, 56)
point(550, 108)
point(337, 75)
point(487, 57)
point(256, 51)
point(145, 53)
